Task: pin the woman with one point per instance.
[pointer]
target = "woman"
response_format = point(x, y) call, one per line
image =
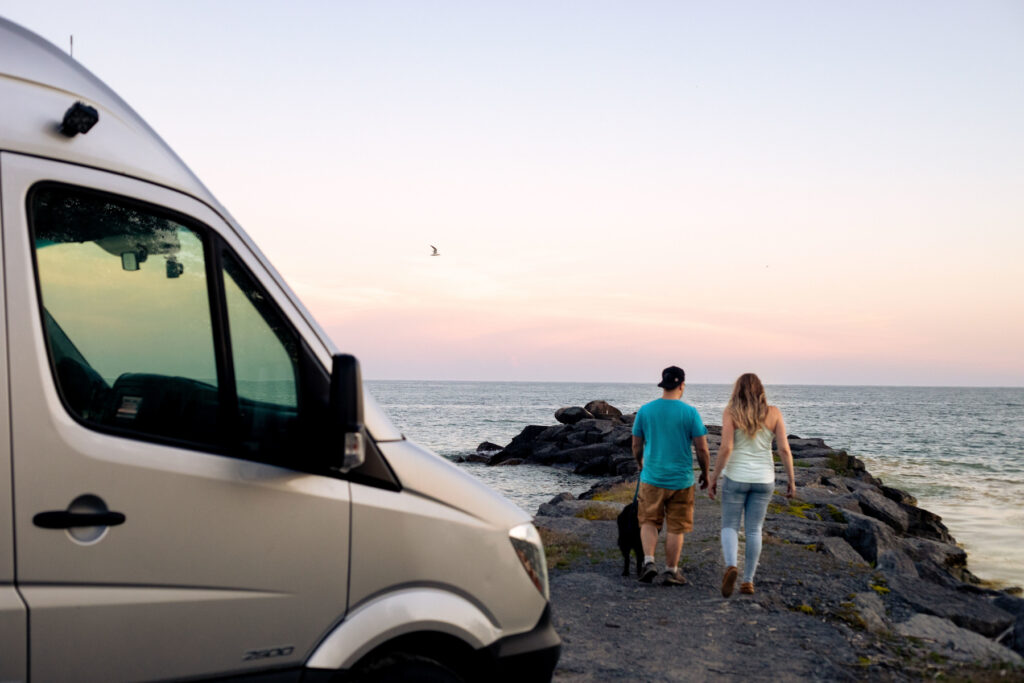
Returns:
point(745, 459)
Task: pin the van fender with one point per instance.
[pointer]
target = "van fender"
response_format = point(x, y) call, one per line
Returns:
point(396, 614)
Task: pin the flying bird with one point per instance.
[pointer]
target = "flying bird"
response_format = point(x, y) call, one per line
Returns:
point(436, 252)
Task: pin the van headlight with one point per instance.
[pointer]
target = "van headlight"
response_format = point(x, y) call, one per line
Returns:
point(527, 544)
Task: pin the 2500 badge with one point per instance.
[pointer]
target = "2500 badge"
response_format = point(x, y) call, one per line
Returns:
point(268, 653)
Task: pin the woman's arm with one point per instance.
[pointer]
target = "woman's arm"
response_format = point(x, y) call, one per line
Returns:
point(784, 452)
point(724, 451)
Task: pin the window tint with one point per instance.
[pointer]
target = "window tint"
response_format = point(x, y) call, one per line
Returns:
point(127, 314)
point(265, 356)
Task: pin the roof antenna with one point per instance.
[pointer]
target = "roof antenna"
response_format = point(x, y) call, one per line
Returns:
point(72, 45)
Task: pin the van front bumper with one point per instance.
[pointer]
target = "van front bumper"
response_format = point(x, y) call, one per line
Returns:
point(530, 656)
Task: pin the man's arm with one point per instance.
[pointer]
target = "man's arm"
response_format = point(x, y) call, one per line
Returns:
point(638, 450)
point(700, 444)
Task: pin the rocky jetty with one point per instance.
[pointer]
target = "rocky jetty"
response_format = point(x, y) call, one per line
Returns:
point(855, 577)
point(593, 439)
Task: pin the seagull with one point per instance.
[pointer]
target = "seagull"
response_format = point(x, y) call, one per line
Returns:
point(436, 252)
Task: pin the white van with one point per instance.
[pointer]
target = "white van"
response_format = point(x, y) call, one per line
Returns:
point(192, 482)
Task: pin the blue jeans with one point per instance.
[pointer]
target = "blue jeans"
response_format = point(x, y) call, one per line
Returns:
point(751, 500)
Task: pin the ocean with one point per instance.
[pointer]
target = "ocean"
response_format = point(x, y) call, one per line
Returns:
point(959, 450)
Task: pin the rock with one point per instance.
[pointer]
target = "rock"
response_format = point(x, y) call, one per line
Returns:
point(851, 467)
point(798, 444)
point(841, 550)
point(811, 452)
point(521, 446)
point(623, 438)
point(585, 453)
point(488, 448)
point(561, 498)
point(593, 431)
point(956, 643)
point(579, 508)
point(802, 475)
point(814, 461)
point(821, 495)
point(572, 415)
point(509, 462)
point(965, 611)
point(935, 559)
point(871, 609)
point(877, 543)
point(898, 495)
point(926, 524)
point(477, 457)
point(1014, 606)
point(554, 433)
point(603, 410)
point(605, 485)
point(596, 466)
point(626, 467)
point(544, 453)
point(874, 504)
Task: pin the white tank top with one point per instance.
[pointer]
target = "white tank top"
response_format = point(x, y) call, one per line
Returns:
point(751, 459)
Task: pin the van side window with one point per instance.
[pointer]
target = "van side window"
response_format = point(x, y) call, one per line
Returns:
point(126, 309)
point(265, 356)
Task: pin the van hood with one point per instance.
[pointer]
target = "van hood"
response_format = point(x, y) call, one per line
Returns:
point(425, 473)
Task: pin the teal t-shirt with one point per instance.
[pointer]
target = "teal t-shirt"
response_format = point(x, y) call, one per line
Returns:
point(668, 428)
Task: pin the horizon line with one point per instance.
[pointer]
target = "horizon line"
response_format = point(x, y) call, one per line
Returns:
point(654, 384)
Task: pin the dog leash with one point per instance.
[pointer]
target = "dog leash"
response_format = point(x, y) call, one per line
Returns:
point(636, 494)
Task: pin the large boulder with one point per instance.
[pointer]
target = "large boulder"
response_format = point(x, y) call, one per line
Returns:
point(603, 410)
point(966, 611)
point(874, 504)
point(956, 643)
point(898, 495)
point(521, 447)
point(936, 560)
point(572, 415)
point(877, 543)
point(593, 430)
point(926, 524)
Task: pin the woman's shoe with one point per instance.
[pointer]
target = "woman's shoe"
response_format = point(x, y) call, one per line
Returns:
point(746, 587)
point(728, 581)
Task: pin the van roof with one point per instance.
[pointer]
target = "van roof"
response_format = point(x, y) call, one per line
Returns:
point(39, 83)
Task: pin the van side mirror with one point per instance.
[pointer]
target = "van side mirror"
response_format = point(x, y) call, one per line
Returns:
point(346, 412)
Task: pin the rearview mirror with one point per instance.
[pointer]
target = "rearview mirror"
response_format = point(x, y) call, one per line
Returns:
point(347, 411)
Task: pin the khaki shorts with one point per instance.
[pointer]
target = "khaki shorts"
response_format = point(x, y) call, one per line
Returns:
point(655, 504)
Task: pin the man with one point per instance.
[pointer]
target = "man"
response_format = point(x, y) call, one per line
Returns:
point(662, 434)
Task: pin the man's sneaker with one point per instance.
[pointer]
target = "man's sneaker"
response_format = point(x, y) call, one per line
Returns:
point(674, 578)
point(648, 573)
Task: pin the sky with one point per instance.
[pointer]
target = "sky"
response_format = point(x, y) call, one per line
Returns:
point(819, 192)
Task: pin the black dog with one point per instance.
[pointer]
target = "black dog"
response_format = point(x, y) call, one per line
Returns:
point(629, 538)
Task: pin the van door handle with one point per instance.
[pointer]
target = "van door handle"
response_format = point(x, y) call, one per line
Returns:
point(62, 519)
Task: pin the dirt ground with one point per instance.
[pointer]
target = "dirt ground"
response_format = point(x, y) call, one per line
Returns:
point(797, 626)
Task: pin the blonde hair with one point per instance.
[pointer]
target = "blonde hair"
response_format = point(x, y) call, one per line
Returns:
point(748, 405)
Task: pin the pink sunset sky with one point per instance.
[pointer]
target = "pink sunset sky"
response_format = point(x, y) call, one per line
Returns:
point(828, 193)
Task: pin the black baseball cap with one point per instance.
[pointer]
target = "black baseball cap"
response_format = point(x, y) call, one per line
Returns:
point(672, 377)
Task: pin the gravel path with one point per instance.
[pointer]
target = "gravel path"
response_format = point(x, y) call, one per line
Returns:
point(798, 626)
